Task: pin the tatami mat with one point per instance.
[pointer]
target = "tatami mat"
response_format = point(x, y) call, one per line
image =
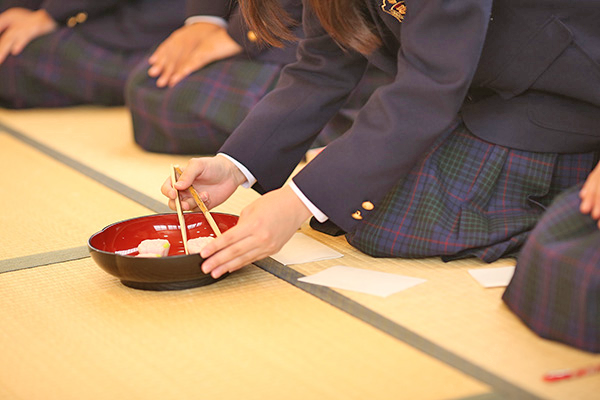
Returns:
point(449, 317)
point(47, 206)
point(454, 312)
point(70, 331)
point(101, 138)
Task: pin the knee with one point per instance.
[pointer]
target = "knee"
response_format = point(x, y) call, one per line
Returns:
point(138, 79)
point(9, 94)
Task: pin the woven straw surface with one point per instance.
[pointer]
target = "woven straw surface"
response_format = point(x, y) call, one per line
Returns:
point(102, 139)
point(70, 331)
point(452, 310)
point(267, 339)
point(47, 206)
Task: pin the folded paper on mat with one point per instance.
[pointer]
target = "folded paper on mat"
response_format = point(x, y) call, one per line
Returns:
point(302, 249)
point(493, 277)
point(377, 283)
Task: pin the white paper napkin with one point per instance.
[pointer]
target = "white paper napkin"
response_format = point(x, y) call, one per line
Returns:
point(493, 277)
point(376, 283)
point(302, 249)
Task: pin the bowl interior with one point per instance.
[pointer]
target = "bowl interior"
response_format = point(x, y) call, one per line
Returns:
point(122, 238)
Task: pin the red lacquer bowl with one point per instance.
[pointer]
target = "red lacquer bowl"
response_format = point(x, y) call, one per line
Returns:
point(114, 249)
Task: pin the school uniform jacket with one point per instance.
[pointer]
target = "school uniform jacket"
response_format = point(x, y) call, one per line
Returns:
point(116, 24)
point(31, 4)
point(247, 39)
point(521, 73)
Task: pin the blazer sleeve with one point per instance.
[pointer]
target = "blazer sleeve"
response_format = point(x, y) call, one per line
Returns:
point(274, 137)
point(440, 48)
point(31, 4)
point(237, 27)
point(62, 10)
point(216, 8)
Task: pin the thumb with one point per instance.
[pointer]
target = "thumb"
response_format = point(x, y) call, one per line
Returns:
point(194, 169)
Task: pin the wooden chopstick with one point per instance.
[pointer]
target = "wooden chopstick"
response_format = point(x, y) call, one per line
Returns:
point(179, 211)
point(202, 206)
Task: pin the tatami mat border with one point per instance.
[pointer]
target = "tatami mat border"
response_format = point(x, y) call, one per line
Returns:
point(118, 187)
point(287, 274)
point(38, 260)
point(393, 329)
point(485, 396)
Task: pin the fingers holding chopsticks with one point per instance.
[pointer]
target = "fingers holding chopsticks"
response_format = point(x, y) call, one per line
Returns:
point(183, 182)
point(214, 178)
point(187, 202)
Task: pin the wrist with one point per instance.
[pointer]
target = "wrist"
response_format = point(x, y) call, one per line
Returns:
point(234, 172)
point(301, 210)
point(238, 177)
point(45, 20)
point(42, 13)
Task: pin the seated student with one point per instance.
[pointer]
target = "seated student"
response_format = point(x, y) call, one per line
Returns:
point(493, 111)
point(56, 53)
point(556, 286)
point(202, 81)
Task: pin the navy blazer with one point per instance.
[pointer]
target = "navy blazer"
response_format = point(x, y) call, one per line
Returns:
point(239, 31)
point(31, 4)
point(117, 24)
point(531, 65)
point(143, 24)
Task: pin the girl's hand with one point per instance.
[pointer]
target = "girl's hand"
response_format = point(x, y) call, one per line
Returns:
point(214, 178)
point(189, 49)
point(19, 26)
point(590, 195)
point(262, 230)
point(217, 46)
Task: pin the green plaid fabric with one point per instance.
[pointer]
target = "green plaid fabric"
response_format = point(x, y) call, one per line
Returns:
point(199, 113)
point(64, 69)
point(556, 286)
point(468, 198)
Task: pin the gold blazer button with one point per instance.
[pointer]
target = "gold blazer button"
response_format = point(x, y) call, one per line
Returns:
point(252, 36)
point(357, 215)
point(81, 17)
point(367, 205)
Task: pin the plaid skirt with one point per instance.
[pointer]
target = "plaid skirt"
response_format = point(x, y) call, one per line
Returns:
point(197, 115)
point(64, 69)
point(468, 197)
point(556, 286)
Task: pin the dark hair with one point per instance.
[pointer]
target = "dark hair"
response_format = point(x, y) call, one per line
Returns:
point(344, 20)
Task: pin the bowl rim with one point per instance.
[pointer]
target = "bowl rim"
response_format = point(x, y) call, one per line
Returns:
point(92, 248)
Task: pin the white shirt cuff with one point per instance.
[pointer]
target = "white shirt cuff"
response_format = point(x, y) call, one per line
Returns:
point(318, 214)
point(250, 179)
point(207, 18)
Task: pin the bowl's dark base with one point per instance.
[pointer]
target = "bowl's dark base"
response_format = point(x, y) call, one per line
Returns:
point(161, 286)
